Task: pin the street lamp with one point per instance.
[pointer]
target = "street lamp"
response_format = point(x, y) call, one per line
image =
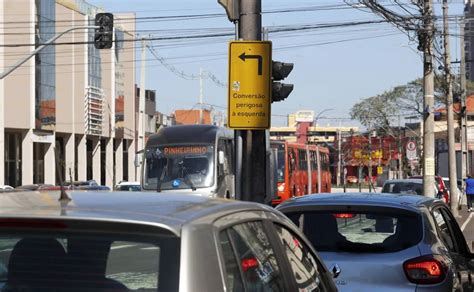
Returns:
point(319, 115)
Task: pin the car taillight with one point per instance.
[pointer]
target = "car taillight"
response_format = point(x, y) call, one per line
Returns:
point(344, 215)
point(424, 270)
point(248, 264)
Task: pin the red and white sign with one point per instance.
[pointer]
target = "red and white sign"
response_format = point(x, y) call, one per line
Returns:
point(411, 150)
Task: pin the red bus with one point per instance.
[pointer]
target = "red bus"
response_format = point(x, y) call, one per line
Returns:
point(302, 169)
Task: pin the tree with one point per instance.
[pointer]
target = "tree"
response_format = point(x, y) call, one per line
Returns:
point(381, 111)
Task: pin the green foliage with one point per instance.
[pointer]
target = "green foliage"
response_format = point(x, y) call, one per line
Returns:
point(381, 111)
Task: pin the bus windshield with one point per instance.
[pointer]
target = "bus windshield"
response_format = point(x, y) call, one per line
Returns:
point(178, 167)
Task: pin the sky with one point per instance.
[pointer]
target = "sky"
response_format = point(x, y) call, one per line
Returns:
point(334, 68)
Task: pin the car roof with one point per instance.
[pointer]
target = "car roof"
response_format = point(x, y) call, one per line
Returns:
point(187, 134)
point(400, 201)
point(406, 180)
point(168, 211)
point(128, 183)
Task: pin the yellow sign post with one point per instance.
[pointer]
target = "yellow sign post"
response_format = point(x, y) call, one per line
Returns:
point(249, 93)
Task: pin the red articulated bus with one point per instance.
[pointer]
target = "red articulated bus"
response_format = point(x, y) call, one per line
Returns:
point(302, 169)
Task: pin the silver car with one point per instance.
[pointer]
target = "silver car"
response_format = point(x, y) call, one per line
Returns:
point(122, 241)
point(385, 242)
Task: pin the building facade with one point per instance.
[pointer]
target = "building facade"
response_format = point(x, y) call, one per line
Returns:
point(68, 112)
point(468, 40)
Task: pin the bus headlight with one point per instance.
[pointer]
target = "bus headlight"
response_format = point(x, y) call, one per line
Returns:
point(281, 187)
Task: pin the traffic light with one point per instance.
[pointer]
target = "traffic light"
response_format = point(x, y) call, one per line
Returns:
point(104, 34)
point(280, 71)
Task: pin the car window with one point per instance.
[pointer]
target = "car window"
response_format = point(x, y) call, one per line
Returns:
point(306, 270)
point(46, 261)
point(233, 276)
point(373, 232)
point(443, 230)
point(130, 188)
point(119, 257)
point(257, 260)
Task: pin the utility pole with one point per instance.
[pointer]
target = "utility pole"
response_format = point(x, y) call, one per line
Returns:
point(339, 158)
point(449, 109)
point(370, 160)
point(426, 43)
point(200, 96)
point(141, 106)
point(463, 115)
point(400, 156)
point(253, 141)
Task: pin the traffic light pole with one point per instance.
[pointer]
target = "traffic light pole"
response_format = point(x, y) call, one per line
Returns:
point(253, 180)
point(40, 48)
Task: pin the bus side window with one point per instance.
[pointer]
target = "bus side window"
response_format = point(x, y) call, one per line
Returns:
point(302, 160)
point(314, 161)
point(291, 162)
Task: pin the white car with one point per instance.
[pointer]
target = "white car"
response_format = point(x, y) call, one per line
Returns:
point(128, 186)
point(6, 187)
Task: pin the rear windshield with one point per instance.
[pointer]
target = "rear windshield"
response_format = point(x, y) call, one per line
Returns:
point(80, 261)
point(363, 232)
point(403, 188)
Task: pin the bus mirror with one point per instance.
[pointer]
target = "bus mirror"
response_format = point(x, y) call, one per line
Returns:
point(221, 157)
point(138, 160)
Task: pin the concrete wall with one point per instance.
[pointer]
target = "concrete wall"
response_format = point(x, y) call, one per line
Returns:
point(65, 67)
point(19, 87)
point(129, 71)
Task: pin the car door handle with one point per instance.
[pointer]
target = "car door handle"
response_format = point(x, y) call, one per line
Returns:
point(336, 271)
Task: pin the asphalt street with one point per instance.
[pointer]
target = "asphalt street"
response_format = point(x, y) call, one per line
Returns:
point(466, 222)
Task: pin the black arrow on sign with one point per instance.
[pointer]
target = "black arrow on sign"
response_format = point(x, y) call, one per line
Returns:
point(243, 57)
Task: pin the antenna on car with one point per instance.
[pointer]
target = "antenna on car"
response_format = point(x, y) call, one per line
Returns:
point(63, 197)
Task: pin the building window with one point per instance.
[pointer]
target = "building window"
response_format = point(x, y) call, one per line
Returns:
point(39, 150)
point(13, 159)
point(45, 93)
point(119, 80)
point(95, 68)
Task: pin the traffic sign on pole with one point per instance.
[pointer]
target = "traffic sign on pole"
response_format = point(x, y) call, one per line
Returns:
point(411, 151)
point(249, 92)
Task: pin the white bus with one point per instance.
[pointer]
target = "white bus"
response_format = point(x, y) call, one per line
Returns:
point(199, 158)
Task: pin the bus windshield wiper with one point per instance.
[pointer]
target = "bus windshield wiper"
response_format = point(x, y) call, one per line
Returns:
point(189, 182)
point(186, 178)
point(162, 177)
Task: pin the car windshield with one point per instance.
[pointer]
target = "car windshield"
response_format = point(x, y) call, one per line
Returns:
point(129, 188)
point(179, 167)
point(45, 260)
point(364, 232)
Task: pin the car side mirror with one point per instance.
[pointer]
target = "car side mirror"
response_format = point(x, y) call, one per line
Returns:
point(221, 157)
point(138, 160)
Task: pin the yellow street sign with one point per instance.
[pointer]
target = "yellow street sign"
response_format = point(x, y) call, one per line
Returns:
point(379, 169)
point(249, 92)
